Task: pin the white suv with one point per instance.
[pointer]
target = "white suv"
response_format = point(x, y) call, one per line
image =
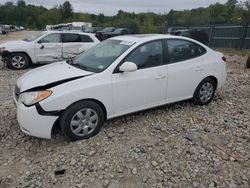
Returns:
point(50, 46)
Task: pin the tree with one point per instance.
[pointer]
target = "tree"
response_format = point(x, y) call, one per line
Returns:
point(231, 3)
point(66, 10)
point(21, 3)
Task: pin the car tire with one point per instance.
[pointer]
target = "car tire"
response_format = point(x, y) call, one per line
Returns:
point(82, 120)
point(205, 91)
point(18, 61)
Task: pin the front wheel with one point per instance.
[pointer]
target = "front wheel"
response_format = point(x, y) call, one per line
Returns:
point(205, 91)
point(82, 120)
point(18, 61)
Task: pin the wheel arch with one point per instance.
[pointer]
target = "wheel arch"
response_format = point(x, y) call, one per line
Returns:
point(95, 101)
point(23, 52)
point(56, 123)
point(214, 79)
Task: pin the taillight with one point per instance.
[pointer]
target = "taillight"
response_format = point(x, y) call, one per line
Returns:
point(224, 59)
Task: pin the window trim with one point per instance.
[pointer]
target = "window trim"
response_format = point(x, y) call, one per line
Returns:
point(167, 50)
point(42, 37)
point(92, 41)
point(116, 69)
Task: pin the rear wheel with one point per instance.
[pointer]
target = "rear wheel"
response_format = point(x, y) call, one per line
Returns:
point(18, 61)
point(205, 91)
point(82, 120)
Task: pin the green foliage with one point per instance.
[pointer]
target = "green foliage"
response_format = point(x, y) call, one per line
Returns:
point(66, 10)
point(37, 17)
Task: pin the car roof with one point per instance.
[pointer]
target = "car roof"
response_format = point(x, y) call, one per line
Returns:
point(70, 31)
point(145, 37)
point(140, 38)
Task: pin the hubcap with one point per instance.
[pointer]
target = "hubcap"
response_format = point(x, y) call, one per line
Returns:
point(84, 122)
point(18, 61)
point(206, 92)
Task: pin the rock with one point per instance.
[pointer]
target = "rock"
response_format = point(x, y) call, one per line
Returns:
point(110, 135)
point(145, 178)
point(134, 170)
point(80, 185)
point(72, 162)
point(154, 163)
point(106, 183)
point(121, 131)
point(189, 136)
point(195, 184)
point(91, 153)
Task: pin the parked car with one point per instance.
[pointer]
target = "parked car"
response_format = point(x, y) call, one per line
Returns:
point(12, 28)
point(119, 76)
point(48, 47)
point(198, 35)
point(5, 29)
point(92, 29)
point(99, 34)
point(117, 32)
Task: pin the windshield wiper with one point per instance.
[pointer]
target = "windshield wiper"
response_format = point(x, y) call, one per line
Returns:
point(79, 66)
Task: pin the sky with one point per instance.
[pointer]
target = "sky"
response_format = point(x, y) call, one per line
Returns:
point(111, 7)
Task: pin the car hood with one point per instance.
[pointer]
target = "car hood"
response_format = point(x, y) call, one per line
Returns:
point(13, 43)
point(49, 76)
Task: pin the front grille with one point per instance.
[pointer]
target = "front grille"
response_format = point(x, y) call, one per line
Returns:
point(17, 92)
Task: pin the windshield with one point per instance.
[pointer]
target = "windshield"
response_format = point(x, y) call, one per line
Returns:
point(33, 37)
point(108, 29)
point(89, 30)
point(98, 58)
point(118, 31)
point(76, 28)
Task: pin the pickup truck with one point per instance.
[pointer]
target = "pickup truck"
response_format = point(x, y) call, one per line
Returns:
point(48, 47)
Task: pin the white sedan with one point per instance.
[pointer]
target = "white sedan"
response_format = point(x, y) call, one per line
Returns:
point(47, 47)
point(119, 76)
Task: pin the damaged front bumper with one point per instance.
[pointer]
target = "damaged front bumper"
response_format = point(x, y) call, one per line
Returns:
point(4, 56)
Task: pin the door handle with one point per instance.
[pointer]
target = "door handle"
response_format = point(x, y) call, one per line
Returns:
point(160, 76)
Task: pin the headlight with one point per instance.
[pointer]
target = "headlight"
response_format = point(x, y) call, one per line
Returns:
point(2, 49)
point(30, 98)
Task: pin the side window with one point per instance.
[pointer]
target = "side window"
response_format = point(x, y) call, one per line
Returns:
point(201, 50)
point(71, 37)
point(147, 55)
point(51, 38)
point(86, 38)
point(181, 50)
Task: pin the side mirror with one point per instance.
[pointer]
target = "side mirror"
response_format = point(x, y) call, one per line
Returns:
point(128, 67)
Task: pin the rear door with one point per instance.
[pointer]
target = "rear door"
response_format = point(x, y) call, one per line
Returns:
point(87, 42)
point(71, 45)
point(185, 68)
point(49, 48)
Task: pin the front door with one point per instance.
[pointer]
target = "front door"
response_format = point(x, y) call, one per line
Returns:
point(49, 48)
point(144, 88)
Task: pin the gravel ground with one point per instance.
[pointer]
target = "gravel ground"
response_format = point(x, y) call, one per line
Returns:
point(177, 145)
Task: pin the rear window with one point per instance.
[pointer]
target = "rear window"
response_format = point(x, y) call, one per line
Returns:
point(86, 38)
point(181, 50)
